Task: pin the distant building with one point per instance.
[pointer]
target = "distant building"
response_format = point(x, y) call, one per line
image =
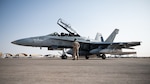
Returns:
point(21, 54)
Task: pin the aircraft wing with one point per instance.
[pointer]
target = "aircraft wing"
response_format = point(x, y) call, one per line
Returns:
point(113, 48)
point(121, 45)
point(118, 45)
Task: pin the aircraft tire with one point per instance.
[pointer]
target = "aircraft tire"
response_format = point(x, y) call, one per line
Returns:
point(103, 56)
point(63, 57)
point(86, 57)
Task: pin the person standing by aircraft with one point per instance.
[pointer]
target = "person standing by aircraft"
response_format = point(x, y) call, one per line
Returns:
point(76, 47)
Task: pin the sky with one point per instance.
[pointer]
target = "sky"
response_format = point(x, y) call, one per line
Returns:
point(29, 18)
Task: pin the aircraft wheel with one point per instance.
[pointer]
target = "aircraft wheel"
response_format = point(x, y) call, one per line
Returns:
point(86, 57)
point(103, 56)
point(63, 57)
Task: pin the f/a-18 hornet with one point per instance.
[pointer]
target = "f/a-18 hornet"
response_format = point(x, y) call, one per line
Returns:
point(88, 46)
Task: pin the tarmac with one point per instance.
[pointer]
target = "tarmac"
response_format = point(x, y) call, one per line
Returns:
point(57, 71)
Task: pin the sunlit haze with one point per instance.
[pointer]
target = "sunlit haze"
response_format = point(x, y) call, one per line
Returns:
point(29, 18)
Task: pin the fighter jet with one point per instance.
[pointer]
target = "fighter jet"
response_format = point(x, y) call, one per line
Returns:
point(88, 46)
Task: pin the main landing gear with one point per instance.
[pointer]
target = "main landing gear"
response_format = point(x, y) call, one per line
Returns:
point(86, 57)
point(103, 56)
point(64, 57)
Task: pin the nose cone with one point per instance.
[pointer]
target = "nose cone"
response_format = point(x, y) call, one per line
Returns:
point(24, 42)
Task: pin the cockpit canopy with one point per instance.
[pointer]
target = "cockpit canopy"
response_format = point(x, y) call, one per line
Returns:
point(54, 34)
point(62, 34)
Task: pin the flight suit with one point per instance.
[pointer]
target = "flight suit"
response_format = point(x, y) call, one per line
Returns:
point(76, 47)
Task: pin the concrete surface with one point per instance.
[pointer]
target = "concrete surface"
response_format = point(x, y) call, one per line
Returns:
point(92, 71)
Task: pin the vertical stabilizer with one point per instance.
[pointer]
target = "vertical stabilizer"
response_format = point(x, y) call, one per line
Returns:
point(99, 37)
point(112, 36)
